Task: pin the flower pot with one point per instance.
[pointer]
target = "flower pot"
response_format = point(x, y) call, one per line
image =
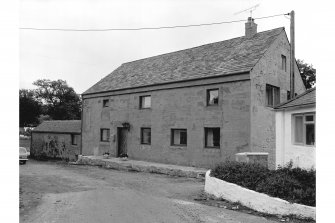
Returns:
point(105, 156)
point(124, 158)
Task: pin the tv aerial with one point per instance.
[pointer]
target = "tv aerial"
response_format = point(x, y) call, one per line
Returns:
point(251, 9)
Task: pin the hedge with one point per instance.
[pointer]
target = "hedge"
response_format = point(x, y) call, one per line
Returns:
point(292, 184)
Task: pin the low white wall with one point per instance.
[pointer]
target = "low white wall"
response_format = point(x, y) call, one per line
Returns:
point(254, 200)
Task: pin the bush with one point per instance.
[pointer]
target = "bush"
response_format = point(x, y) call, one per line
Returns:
point(292, 184)
point(244, 174)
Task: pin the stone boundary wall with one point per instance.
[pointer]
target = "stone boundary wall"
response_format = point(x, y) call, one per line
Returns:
point(254, 200)
point(142, 166)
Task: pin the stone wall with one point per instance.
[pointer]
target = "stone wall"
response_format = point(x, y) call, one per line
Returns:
point(268, 71)
point(54, 145)
point(183, 107)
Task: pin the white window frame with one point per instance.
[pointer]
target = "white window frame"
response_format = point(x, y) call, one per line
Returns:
point(304, 123)
point(142, 97)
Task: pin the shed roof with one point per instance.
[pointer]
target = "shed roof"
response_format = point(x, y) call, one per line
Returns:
point(304, 99)
point(220, 58)
point(59, 126)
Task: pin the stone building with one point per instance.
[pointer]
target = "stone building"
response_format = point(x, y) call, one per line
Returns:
point(194, 107)
point(295, 131)
point(56, 139)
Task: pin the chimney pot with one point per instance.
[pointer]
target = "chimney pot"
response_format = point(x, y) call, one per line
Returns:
point(250, 27)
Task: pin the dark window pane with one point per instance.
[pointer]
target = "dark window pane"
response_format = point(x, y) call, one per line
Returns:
point(104, 135)
point(283, 62)
point(212, 137)
point(179, 137)
point(212, 97)
point(288, 95)
point(298, 133)
point(277, 96)
point(310, 134)
point(309, 118)
point(269, 95)
point(146, 136)
point(105, 103)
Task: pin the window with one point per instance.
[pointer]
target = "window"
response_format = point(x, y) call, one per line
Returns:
point(104, 135)
point(283, 62)
point(304, 129)
point(288, 97)
point(74, 139)
point(145, 101)
point(212, 137)
point(272, 95)
point(146, 136)
point(212, 97)
point(105, 103)
point(178, 137)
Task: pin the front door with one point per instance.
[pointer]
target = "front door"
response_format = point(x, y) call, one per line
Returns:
point(122, 141)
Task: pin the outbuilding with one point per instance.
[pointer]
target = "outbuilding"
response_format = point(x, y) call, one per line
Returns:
point(295, 130)
point(56, 139)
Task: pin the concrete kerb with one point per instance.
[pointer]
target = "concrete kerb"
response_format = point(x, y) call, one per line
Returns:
point(142, 166)
point(254, 200)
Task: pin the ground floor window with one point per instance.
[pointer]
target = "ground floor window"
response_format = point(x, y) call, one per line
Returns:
point(74, 139)
point(179, 137)
point(145, 135)
point(212, 137)
point(304, 129)
point(104, 135)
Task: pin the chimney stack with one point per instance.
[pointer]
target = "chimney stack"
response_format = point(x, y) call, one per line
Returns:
point(250, 28)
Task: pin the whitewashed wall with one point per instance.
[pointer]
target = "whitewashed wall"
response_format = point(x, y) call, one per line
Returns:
point(302, 156)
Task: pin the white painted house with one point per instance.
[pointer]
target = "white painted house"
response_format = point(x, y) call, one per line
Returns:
point(295, 131)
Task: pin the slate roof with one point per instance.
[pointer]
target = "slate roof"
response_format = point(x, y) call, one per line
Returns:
point(59, 126)
point(220, 58)
point(304, 99)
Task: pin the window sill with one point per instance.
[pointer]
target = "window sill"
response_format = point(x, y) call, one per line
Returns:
point(178, 147)
point(216, 147)
point(145, 144)
point(144, 108)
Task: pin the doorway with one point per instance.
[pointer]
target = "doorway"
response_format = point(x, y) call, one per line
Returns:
point(121, 141)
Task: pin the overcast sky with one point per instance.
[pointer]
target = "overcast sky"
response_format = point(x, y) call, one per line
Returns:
point(83, 58)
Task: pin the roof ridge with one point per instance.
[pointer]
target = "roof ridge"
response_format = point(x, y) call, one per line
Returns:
point(199, 46)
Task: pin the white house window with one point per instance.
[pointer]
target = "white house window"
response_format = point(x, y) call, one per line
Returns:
point(104, 135)
point(145, 101)
point(272, 95)
point(74, 139)
point(304, 129)
point(179, 137)
point(212, 137)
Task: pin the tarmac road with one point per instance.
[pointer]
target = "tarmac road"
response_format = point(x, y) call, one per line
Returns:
point(57, 192)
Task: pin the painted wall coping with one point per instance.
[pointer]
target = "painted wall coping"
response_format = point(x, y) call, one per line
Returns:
point(254, 200)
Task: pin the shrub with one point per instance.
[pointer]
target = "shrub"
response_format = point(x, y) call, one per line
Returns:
point(244, 174)
point(292, 184)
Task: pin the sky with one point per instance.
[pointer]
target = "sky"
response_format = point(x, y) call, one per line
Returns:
point(83, 58)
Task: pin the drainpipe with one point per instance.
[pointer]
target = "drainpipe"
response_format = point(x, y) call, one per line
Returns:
point(292, 55)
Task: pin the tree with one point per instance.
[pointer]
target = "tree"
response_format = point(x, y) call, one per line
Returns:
point(60, 100)
point(30, 108)
point(307, 73)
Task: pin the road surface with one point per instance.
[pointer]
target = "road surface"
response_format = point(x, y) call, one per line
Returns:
point(58, 192)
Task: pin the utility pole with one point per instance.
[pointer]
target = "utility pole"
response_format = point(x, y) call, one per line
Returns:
point(292, 55)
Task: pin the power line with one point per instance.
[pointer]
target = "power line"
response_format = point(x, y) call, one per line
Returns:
point(145, 28)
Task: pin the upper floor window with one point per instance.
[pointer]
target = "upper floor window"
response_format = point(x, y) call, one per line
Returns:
point(212, 137)
point(283, 62)
point(212, 97)
point(178, 137)
point(74, 139)
point(105, 103)
point(146, 136)
point(104, 135)
point(272, 95)
point(145, 101)
point(304, 129)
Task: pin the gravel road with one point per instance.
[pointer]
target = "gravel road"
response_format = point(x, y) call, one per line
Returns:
point(58, 192)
